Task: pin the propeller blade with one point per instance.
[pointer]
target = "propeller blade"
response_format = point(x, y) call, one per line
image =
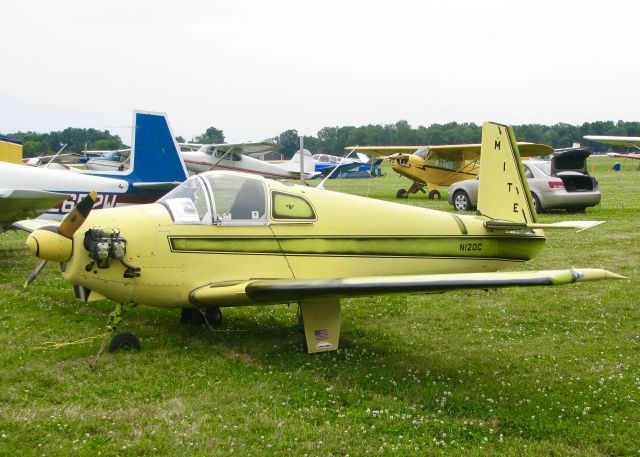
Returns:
point(34, 274)
point(77, 216)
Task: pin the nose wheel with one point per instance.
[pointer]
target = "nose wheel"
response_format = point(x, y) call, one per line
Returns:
point(121, 341)
point(124, 342)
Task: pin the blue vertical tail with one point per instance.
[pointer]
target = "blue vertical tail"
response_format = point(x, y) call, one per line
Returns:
point(155, 156)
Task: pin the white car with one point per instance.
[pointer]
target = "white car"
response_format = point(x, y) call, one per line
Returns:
point(559, 183)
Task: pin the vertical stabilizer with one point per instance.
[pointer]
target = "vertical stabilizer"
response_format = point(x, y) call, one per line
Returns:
point(503, 192)
point(155, 153)
point(294, 163)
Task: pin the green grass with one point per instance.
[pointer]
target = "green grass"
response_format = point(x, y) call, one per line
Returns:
point(549, 371)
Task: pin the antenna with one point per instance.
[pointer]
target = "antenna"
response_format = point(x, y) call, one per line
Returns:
point(321, 185)
point(57, 153)
point(301, 160)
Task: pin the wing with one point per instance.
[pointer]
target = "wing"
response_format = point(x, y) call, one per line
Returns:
point(106, 151)
point(21, 204)
point(335, 169)
point(29, 225)
point(247, 148)
point(374, 151)
point(269, 291)
point(238, 148)
point(625, 156)
point(626, 141)
point(67, 157)
point(452, 151)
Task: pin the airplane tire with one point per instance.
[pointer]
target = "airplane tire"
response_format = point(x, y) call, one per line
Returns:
point(214, 316)
point(434, 195)
point(124, 342)
point(186, 316)
point(402, 193)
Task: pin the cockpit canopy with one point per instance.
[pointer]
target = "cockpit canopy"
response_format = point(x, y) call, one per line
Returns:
point(326, 158)
point(218, 198)
point(117, 156)
point(218, 152)
point(422, 152)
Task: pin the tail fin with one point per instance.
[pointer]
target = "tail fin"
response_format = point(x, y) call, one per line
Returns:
point(503, 192)
point(294, 163)
point(155, 156)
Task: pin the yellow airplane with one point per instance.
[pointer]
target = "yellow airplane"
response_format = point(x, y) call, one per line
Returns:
point(443, 165)
point(10, 150)
point(232, 239)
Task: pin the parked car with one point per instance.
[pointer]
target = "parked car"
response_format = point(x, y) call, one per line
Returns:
point(562, 182)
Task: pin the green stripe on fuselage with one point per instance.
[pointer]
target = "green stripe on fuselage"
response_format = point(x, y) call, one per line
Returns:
point(520, 248)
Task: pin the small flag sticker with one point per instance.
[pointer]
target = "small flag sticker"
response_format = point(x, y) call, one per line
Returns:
point(322, 334)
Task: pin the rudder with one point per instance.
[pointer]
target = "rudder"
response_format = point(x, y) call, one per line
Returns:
point(155, 153)
point(503, 192)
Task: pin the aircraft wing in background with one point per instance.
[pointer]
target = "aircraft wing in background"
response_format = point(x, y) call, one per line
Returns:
point(22, 204)
point(451, 151)
point(624, 141)
point(238, 148)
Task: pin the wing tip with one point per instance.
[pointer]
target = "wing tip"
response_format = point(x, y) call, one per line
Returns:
point(595, 274)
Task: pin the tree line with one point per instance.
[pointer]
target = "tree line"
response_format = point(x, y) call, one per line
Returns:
point(334, 140)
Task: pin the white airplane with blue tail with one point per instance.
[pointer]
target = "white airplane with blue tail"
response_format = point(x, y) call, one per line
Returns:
point(156, 167)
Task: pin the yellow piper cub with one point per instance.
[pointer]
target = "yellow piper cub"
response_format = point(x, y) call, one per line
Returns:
point(439, 165)
point(232, 239)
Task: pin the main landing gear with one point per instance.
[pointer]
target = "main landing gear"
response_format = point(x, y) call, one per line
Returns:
point(434, 195)
point(415, 187)
point(211, 316)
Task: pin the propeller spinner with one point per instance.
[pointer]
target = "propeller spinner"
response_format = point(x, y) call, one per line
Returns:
point(55, 243)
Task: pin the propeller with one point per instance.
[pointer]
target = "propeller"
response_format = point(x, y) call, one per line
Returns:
point(54, 243)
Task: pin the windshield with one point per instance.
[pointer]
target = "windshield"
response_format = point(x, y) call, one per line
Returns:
point(422, 152)
point(238, 198)
point(188, 203)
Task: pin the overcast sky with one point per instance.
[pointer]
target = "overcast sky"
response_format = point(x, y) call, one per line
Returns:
point(257, 68)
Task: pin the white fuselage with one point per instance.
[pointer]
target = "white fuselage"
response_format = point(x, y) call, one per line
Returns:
point(75, 185)
point(200, 161)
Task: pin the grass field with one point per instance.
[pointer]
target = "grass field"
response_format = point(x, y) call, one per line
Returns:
point(549, 371)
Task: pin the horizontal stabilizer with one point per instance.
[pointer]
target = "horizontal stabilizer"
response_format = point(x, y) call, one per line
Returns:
point(156, 185)
point(29, 225)
point(266, 291)
point(506, 225)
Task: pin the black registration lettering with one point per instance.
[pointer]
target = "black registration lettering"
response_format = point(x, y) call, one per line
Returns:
point(470, 247)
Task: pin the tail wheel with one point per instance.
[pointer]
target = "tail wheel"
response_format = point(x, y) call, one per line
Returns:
point(434, 195)
point(461, 201)
point(402, 193)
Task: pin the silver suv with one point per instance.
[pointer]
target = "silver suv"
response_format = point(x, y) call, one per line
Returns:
point(560, 182)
